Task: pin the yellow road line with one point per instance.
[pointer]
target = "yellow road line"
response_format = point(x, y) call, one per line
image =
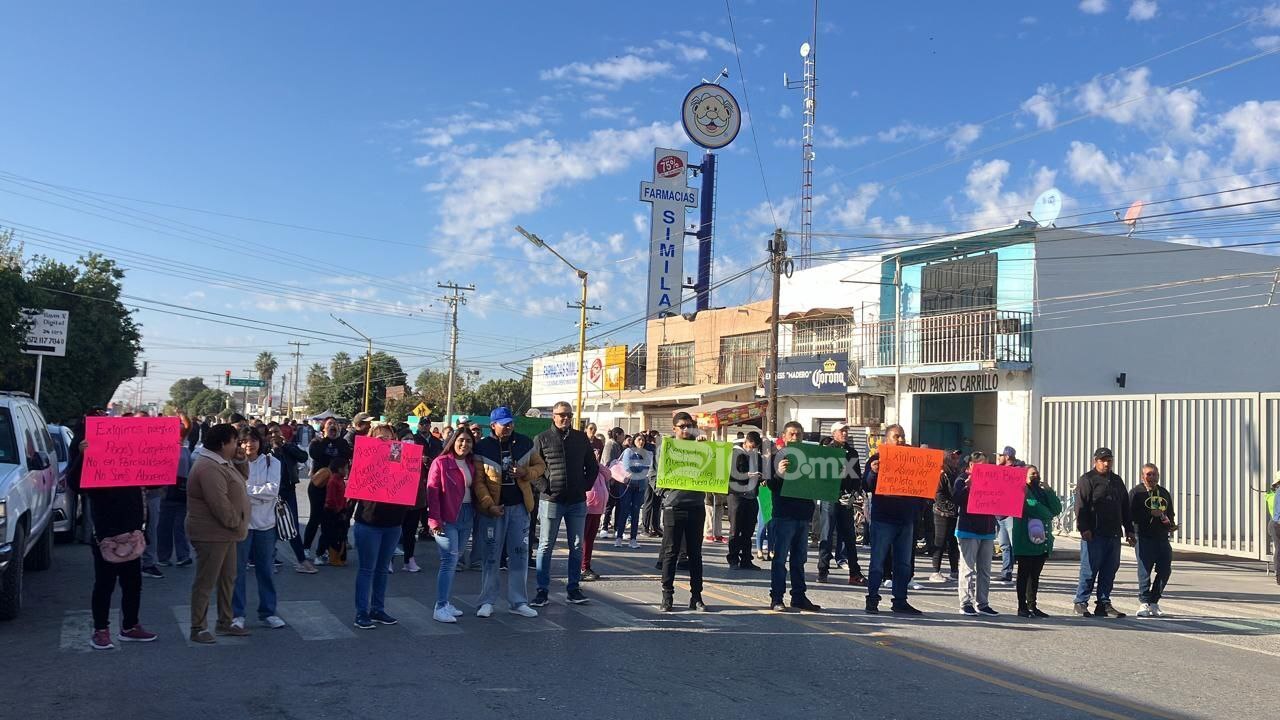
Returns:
point(723, 594)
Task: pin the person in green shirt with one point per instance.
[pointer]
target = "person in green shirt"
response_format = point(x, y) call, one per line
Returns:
point(1033, 540)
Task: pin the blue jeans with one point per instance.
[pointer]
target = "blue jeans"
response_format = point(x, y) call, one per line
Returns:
point(1099, 561)
point(259, 546)
point(154, 497)
point(790, 543)
point(764, 536)
point(172, 530)
point(511, 529)
point(1004, 536)
point(901, 538)
point(629, 507)
point(575, 519)
point(375, 546)
point(451, 544)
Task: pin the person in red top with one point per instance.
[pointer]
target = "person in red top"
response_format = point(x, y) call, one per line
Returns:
point(337, 518)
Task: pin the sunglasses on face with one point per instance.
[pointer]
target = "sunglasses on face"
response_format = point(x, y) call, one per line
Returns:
point(684, 427)
point(563, 414)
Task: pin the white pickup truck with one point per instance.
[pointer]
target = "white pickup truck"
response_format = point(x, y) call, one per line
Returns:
point(28, 488)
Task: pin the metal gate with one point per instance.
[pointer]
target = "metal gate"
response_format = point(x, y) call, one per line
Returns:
point(1216, 452)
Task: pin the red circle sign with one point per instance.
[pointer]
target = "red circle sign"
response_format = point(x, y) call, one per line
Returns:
point(596, 371)
point(669, 166)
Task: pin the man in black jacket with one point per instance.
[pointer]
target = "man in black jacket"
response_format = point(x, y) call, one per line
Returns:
point(1102, 515)
point(744, 505)
point(840, 518)
point(571, 471)
point(682, 517)
point(1152, 509)
point(289, 455)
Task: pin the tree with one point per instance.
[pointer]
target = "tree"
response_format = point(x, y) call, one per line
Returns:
point(320, 394)
point(12, 321)
point(515, 394)
point(433, 389)
point(103, 341)
point(341, 389)
point(265, 365)
point(209, 401)
point(182, 391)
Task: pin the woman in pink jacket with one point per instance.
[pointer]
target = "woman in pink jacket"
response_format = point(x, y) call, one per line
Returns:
point(450, 512)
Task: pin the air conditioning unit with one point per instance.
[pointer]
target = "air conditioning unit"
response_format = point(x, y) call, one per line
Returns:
point(865, 409)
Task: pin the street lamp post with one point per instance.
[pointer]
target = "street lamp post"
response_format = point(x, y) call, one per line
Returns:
point(368, 358)
point(582, 322)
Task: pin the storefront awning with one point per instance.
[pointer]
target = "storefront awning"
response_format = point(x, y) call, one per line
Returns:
point(683, 394)
point(725, 413)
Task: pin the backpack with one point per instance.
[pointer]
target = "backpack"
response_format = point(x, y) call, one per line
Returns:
point(1036, 531)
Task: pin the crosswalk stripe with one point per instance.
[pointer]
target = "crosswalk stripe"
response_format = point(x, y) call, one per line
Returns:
point(506, 619)
point(313, 621)
point(417, 617)
point(606, 615)
point(183, 614)
point(77, 625)
point(1229, 625)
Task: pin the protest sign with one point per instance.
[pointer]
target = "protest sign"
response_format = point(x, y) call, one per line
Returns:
point(909, 471)
point(997, 490)
point(696, 466)
point(530, 427)
point(766, 503)
point(131, 451)
point(385, 471)
point(814, 472)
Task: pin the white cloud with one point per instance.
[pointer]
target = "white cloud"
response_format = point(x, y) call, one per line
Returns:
point(908, 130)
point(1028, 20)
point(611, 73)
point(640, 222)
point(1130, 99)
point(687, 53)
point(1087, 164)
point(784, 112)
point(1093, 7)
point(1255, 130)
point(707, 38)
point(830, 137)
point(852, 210)
point(993, 205)
point(444, 132)
point(608, 112)
point(1271, 15)
point(963, 137)
point(1267, 42)
point(1142, 10)
point(1043, 106)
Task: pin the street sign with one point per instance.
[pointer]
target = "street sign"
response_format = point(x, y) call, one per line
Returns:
point(246, 382)
point(422, 410)
point(668, 195)
point(47, 334)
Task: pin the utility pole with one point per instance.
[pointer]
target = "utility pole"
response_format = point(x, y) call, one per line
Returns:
point(297, 364)
point(582, 345)
point(368, 358)
point(457, 298)
point(779, 263)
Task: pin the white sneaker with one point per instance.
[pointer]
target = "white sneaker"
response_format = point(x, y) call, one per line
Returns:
point(443, 615)
point(485, 611)
point(1144, 611)
point(1155, 610)
point(617, 542)
point(275, 622)
point(524, 611)
point(915, 585)
point(635, 545)
point(391, 568)
point(937, 578)
point(412, 566)
point(237, 623)
point(453, 610)
point(399, 552)
point(604, 532)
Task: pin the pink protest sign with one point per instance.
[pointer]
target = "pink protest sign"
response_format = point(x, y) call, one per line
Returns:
point(997, 490)
point(131, 451)
point(385, 471)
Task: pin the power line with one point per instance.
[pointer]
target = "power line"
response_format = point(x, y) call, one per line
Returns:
point(746, 101)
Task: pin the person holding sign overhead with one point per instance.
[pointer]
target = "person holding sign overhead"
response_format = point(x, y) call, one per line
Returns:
point(976, 535)
point(893, 519)
point(791, 517)
point(1033, 540)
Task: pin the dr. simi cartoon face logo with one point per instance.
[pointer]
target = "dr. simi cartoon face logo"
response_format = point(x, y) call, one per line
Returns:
point(711, 116)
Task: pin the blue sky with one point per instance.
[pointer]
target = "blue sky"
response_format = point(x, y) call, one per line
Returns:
point(391, 149)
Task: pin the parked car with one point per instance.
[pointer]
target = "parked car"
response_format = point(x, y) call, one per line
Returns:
point(66, 506)
point(28, 487)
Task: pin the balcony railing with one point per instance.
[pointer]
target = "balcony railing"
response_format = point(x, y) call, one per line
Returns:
point(963, 337)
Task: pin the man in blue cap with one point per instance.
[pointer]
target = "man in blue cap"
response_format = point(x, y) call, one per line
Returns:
point(504, 501)
point(1004, 524)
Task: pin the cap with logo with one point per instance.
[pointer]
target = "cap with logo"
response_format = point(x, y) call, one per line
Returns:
point(1009, 451)
point(1102, 454)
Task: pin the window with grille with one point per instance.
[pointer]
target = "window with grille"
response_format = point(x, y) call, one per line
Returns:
point(675, 364)
point(821, 337)
point(742, 356)
point(958, 285)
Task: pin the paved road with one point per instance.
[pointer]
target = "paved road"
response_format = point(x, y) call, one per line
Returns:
point(618, 658)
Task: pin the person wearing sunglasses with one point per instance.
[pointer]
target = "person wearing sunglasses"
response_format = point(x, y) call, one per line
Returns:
point(571, 469)
point(683, 514)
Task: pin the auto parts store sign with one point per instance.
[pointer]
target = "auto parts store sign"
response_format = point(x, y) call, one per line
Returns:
point(555, 377)
point(812, 374)
point(954, 383)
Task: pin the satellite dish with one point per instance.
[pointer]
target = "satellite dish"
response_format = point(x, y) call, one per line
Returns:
point(804, 50)
point(1047, 207)
point(1132, 214)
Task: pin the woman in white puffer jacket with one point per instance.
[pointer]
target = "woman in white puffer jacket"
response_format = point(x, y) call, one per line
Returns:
point(263, 487)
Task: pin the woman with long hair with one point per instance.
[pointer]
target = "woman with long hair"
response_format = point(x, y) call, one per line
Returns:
point(1033, 540)
point(263, 487)
point(450, 511)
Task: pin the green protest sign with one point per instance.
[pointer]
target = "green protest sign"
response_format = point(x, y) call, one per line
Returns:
point(413, 421)
point(766, 503)
point(814, 472)
point(530, 427)
point(696, 466)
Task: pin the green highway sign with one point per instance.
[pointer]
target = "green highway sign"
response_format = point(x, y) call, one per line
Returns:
point(246, 382)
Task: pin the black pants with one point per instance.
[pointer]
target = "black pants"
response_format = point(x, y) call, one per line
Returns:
point(650, 511)
point(944, 541)
point(841, 520)
point(682, 531)
point(609, 508)
point(1156, 555)
point(105, 575)
point(315, 521)
point(1028, 581)
point(742, 527)
point(409, 532)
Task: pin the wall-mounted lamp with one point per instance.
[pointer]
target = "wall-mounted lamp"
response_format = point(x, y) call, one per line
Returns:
point(1121, 378)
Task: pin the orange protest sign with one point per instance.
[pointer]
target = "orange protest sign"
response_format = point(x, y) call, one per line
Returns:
point(908, 471)
point(385, 471)
point(131, 452)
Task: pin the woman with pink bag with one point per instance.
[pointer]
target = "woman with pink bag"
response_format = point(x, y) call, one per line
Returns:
point(597, 500)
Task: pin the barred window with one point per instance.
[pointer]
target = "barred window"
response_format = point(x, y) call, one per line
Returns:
point(821, 337)
point(675, 364)
point(742, 356)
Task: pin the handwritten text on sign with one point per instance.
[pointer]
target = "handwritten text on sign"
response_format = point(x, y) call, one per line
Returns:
point(131, 451)
point(385, 471)
point(908, 471)
point(997, 490)
point(696, 466)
